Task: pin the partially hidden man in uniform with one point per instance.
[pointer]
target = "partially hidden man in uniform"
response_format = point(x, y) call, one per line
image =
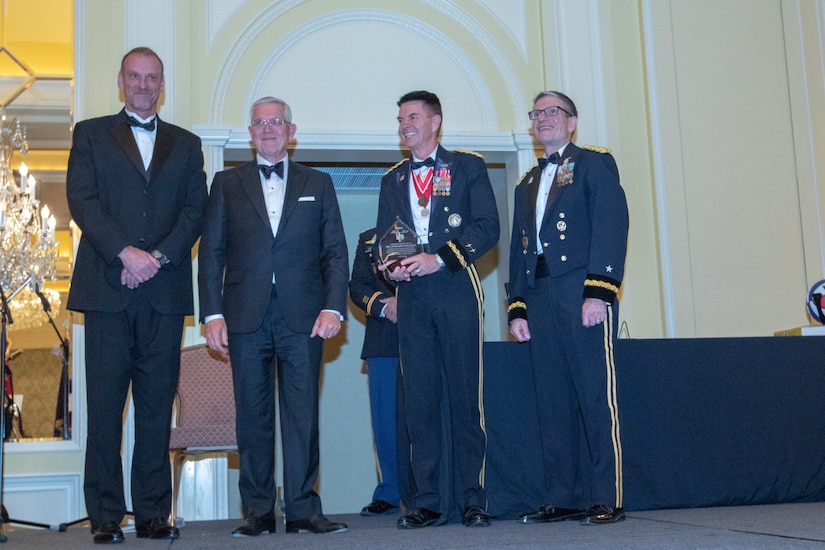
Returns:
point(273, 274)
point(446, 197)
point(567, 256)
point(371, 292)
point(136, 188)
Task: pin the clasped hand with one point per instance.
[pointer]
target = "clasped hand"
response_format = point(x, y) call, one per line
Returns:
point(138, 266)
point(414, 266)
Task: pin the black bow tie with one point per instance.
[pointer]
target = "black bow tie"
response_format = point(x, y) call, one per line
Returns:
point(426, 162)
point(150, 126)
point(267, 170)
point(543, 162)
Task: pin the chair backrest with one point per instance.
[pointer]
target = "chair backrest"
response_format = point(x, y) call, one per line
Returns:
point(205, 393)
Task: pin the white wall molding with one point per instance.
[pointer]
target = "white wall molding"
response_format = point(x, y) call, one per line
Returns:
point(512, 15)
point(488, 42)
point(418, 27)
point(236, 53)
point(44, 498)
point(459, 57)
point(493, 143)
point(218, 14)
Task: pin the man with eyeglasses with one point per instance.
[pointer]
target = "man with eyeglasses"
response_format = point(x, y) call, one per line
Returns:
point(273, 278)
point(567, 256)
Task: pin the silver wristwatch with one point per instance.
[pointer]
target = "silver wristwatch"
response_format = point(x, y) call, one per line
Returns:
point(160, 257)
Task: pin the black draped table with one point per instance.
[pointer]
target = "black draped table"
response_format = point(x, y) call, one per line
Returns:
point(704, 422)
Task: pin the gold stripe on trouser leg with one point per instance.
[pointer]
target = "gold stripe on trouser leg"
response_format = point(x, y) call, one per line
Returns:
point(479, 292)
point(612, 403)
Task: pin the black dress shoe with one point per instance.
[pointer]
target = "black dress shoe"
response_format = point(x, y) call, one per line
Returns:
point(377, 507)
point(108, 533)
point(601, 514)
point(254, 527)
point(418, 517)
point(318, 524)
point(157, 528)
point(550, 514)
point(474, 516)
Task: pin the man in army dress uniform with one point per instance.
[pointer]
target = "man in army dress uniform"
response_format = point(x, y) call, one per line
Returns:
point(567, 255)
point(371, 292)
point(447, 199)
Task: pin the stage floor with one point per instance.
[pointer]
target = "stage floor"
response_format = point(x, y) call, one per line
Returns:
point(752, 527)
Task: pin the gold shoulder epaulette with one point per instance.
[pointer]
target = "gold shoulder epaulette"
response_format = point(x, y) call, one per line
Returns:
point(596, 148)
point(396, 165)
point(467, 151)
point(524, 175)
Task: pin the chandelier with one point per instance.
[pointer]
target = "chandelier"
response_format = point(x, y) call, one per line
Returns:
point(27, 308)
point(28, 256)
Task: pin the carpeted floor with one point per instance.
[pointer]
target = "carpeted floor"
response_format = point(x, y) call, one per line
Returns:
point(752, 527)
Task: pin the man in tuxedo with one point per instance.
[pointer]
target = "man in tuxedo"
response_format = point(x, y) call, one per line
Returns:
point(273, 273)
point(446, 199)
point(136, 188)
point(567, 255)
point(371, 292)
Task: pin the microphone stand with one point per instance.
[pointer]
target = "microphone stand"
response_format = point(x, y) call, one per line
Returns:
point(65, 386)
point(5, 313)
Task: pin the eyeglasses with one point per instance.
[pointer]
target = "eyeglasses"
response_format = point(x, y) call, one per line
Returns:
point(268, 121)
point(549, 111)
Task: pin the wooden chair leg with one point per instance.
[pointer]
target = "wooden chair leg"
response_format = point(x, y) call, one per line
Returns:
point(178, 457)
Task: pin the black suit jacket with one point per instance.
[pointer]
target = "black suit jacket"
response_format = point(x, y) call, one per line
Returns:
point(366, 290)
point(116, 203)
point(585, 227)
point(238, 254)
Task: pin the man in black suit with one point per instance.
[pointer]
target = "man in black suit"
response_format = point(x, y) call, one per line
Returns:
point(137, 190)
point(567, 257)
point(446, 198)
point(273, 273)
point(371, 292)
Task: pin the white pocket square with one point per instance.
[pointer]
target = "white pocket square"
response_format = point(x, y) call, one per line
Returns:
point(306, 199)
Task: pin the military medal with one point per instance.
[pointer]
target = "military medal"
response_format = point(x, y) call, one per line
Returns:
point(423, 200)
point(423, 188)
point(442, 181)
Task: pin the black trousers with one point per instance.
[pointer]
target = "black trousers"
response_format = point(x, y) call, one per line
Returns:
point(575, 380)
point(255, 357)
point(141, 347)
point(440, 328)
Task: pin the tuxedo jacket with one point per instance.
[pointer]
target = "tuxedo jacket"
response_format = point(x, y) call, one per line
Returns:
point(584, 227)
point(117, 203)
point(463, 218)
point(238, 254)
point(366, 290)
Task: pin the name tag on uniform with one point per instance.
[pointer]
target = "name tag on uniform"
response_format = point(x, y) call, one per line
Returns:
point(306, 199)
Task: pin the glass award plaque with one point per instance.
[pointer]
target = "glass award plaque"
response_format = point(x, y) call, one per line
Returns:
point(398, 243)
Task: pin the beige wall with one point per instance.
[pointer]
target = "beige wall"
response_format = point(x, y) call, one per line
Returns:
point(734, 162)
point(713, 110)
